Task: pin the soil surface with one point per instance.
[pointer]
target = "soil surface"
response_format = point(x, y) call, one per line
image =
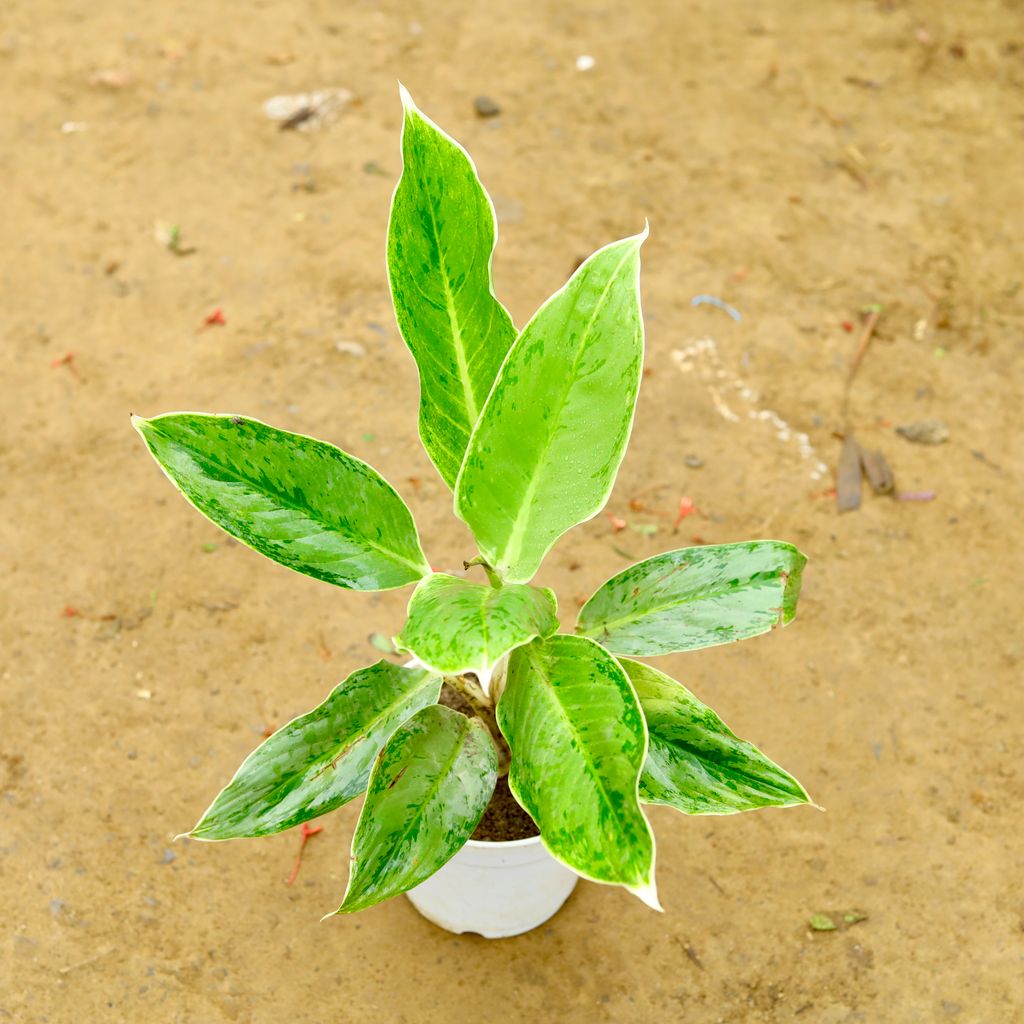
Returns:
point(504, 819)
point(798, 161)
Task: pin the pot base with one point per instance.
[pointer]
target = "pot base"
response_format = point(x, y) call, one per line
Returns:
point(495, 889)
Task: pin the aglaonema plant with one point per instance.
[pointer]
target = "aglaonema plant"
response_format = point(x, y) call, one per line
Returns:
point(527, 427)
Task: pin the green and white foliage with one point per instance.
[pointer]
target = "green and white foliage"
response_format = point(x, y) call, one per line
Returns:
point(695, 597)
point(440, 242)
point(694, 762)
point(456, 626)
point(429, 788)
point(322, 759)
point(578, 743)
point(303, 503)
point(528, 429)
point(544, 454)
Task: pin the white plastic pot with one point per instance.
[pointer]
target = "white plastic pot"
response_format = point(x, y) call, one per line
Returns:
point(495, 889)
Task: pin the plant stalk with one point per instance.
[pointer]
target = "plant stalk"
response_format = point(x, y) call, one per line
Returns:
point(493, 578)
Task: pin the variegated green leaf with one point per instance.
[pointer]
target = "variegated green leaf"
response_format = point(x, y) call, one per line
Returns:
point(301, 502)
point(429, 788)
point(694, 762)
point(441, 238)
point(578, 742)
point(322, 759)
point(457, 626)
point(544, 454)
point(695, 597)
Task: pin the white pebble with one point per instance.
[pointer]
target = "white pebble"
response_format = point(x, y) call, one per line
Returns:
point(352, 348)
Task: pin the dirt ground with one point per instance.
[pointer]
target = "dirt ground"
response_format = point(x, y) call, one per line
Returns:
point(799, 161)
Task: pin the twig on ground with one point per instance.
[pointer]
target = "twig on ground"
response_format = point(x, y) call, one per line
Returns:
point(88, 960)
point(848, 475)
point(863, 342)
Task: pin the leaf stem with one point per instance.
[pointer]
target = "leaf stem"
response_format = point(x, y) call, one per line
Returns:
point(494, 579)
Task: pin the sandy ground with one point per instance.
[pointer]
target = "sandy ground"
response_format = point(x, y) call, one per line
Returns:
point(798, 160)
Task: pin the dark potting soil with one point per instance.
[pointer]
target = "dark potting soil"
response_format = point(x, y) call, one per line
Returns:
point(451, 698)
point(504, 819)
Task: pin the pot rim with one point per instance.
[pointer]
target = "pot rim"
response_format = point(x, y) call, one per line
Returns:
point(504, 844)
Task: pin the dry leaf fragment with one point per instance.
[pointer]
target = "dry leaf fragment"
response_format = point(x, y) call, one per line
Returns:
point(848, 475)
point(111, 78)
point(925, 432)
point(308, 111)
point(877, 470)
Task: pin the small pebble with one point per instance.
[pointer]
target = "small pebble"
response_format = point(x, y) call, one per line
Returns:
point(925, 432)
point(350, 348)
point(486, 107)
point(694, 461)
point(169, 857)
point(585, 62)
point(508, 211)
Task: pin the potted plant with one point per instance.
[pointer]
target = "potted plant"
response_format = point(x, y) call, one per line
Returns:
point(528, 429)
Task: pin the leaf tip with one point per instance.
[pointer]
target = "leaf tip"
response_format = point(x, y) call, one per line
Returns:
point(205, 831)
point(648, 893)
point(353, 903)
point(408, 103)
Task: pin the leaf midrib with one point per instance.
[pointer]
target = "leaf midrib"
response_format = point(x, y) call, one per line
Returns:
point(487, 605)
point(582, 745)
point(472, 409)
point(492, 599)
point(519, 523)
point(486, 600)
point(607, 625)
point(350, 741)
point(665, 702)
point(757, 783)
point(432, 791)
point(297, 780)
